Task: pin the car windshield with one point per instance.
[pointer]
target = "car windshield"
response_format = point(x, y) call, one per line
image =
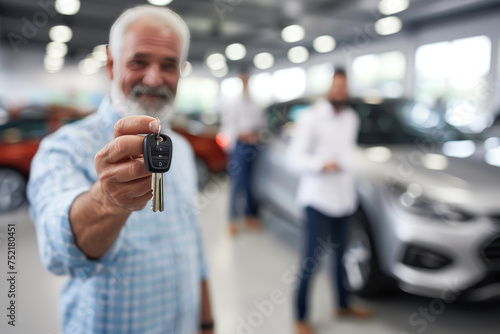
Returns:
point(402, 122)
point(395, 121)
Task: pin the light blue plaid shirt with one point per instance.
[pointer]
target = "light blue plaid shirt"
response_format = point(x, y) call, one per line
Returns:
point(149, 280)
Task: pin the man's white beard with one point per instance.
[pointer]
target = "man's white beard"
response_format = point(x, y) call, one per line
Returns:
point(131, 107)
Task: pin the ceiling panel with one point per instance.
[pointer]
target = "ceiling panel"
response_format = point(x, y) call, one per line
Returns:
point(216, 23)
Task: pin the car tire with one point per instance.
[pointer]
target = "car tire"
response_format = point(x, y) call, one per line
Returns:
point(12, 189)
point(361, 265)
point(203, 173)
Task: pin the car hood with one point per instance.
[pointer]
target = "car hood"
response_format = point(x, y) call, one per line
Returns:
point(468, 182)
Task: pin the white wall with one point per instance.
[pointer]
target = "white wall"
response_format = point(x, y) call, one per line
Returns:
point(23, 79)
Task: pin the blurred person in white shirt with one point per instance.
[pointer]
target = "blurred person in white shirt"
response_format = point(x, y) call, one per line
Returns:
point(241, 121)
point(320, 152)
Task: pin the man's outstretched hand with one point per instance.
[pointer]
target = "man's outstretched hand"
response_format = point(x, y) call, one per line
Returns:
point(123, 178)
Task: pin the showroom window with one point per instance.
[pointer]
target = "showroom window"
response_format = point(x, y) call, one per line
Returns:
point(451, 75)
point(197, 95)
point(319, 79)
point(282, 85)
point(289, 84)
point(260, 87)
point(383, 72)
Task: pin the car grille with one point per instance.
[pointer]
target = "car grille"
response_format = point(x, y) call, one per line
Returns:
point(491, 254)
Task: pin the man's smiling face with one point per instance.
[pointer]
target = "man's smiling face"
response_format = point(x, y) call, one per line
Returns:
point(147, 72)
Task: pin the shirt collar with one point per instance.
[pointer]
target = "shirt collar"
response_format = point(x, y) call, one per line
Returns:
point(326, 109)
point(107, 113)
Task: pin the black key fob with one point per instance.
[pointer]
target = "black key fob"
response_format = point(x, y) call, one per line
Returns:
point(157, 153)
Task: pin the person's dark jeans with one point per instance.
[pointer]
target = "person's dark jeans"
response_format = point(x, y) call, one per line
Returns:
point(240, 168)
point(325, 240)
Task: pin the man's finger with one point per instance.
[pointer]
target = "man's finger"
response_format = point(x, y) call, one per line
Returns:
point(129, 170)
point(133, 125)
point(121, 148)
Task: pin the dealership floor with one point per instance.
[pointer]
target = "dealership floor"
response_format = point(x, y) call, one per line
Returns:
point(247, 272)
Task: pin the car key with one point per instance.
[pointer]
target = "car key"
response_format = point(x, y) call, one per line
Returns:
point(157, 150)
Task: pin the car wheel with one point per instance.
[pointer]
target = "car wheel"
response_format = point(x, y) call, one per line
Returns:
point(12, 189)
point(361, 267)
point(203, 173)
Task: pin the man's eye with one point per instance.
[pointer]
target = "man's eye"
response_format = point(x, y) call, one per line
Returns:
point(169, 67)
point(138, 62)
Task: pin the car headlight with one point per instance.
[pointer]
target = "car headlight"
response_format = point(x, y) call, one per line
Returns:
point(411, 198)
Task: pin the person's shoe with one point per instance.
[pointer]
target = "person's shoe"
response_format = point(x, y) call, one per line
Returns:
point(302, 327)
point(355, 312)
point(232, 229)
point(253, 224)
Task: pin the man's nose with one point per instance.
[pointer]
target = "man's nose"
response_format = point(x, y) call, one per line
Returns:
point(153, 77)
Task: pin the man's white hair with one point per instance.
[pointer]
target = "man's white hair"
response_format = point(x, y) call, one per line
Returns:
point(155, 15)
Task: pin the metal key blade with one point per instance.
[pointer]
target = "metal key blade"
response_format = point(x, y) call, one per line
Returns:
point(157, 186)
point(154, 207)
point(159, 189)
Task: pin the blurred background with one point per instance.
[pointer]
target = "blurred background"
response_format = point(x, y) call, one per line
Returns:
point(414, 67)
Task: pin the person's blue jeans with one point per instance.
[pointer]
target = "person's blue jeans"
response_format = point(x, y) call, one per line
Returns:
point(325, 240)
point(240, 168)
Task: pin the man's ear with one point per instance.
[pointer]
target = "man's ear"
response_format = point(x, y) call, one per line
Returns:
point(109, 63)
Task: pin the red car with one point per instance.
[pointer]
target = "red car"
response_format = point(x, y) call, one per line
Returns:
point(19, 141)
point(21, 136)
point(210, 157)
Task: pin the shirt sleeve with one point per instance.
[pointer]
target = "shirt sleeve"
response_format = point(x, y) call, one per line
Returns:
point(56, 180)
point(299, 155)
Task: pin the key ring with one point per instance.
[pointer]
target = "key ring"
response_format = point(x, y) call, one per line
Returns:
point(158, 138)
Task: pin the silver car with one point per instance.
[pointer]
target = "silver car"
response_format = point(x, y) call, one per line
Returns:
point(429, 203)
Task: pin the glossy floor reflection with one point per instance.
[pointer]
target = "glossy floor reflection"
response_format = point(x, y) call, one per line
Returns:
point(248, 270)
point(252, 289)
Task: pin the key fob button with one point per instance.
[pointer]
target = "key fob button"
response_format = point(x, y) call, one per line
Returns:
point(159, 163)
point(157, 154)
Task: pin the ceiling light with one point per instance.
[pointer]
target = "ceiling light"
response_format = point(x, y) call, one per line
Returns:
point(236, 51)
point(52, 70)
point(388, 25)
point(298, 54)
point(61, 34)
point(293, 33)
point(99, 53)
point(53, 64)
point(389, 7)
point(231, 87)
point(160, 2)
point(323, 44)
point(88, 66)
point(221, 72)
point(216, 61)
point(263, 60)
point(187, 70)
point(67, 7)
point(57, 49)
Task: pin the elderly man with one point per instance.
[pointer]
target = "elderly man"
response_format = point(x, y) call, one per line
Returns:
point(130, 270)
